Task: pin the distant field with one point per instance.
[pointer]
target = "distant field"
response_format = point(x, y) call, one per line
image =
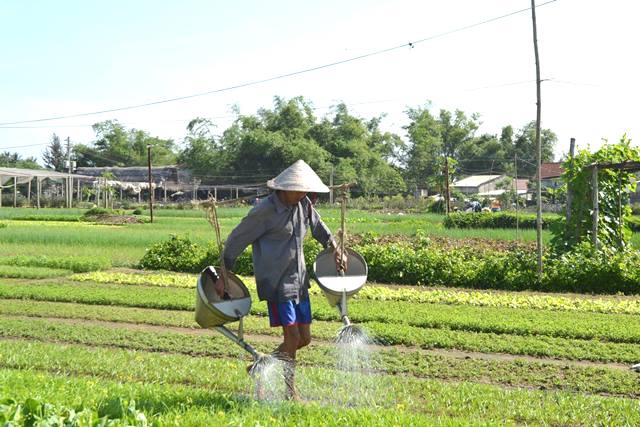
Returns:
point(126, 244)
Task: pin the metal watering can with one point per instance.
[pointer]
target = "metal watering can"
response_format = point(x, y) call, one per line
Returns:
point(339, 282)
point(339, 286)
point(214, 312)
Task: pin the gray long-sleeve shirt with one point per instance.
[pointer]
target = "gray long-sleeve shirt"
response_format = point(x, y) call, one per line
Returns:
point(276, 232)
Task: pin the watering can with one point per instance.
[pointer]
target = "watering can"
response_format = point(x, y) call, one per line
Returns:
point(212, 311)
point(339, 286)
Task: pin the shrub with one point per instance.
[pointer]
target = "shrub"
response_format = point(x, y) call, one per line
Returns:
point(137, 212)
point(580, 270)
point(98, 212)
point(176, 254)
point(3, 224)
point(182, 255)
point(495, 220)
point(584, 269)
point(244, 262)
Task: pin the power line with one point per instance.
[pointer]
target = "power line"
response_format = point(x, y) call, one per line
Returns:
point(228, 116)
point(23, 146)
point(282, 76)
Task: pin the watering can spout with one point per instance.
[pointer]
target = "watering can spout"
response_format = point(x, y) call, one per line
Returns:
point(242, 343)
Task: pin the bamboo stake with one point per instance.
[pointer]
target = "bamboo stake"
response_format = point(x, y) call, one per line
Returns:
point(212, 217)
point(343, 222)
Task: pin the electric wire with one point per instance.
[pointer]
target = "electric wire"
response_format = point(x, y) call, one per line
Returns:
point(410, 44)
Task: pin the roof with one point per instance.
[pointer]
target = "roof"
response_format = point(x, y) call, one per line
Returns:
point(171, 173)
point(499, 192)
point(40, 173)
point(551, 170)
point(476, 180)
point(522, 184)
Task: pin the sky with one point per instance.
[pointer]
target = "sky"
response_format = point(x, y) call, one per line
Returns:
point(75, 57)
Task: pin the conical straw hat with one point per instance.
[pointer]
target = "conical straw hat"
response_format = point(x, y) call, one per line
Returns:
point(298, 177)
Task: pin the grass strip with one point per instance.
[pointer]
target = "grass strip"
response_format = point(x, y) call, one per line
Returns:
point(401, 334)
point(171, 404)
point(594, 379)
point(499, 321)
point(74, 263)
point(434, 402)
point(20, 272)
point(47, 218)
point(581, 303)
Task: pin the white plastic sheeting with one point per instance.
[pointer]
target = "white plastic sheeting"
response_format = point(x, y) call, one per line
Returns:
point(23, 176)
point(135, 187)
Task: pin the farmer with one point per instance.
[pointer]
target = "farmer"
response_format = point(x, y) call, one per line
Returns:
point(276, 228)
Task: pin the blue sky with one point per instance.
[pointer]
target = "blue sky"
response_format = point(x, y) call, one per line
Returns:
point(68, 57)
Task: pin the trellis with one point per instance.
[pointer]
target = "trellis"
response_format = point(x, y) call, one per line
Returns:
point(629, 166)
point(20, 176)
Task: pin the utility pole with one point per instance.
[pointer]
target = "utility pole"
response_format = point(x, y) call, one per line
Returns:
point(538, 141)
point(572, 147)
point(69, 188)
point(447, 207)
point(515, 163)
point(150, 189)
point(331, 187)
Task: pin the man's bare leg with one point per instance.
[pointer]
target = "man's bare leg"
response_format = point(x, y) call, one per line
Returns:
point(295, 337)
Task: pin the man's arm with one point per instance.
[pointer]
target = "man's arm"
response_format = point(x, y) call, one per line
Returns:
point(322, 234)
point(319, 229)
point(248, 231)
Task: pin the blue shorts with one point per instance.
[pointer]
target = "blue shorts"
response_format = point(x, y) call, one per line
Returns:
point(289, 313)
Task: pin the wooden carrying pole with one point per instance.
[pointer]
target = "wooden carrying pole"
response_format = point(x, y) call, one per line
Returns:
point(212, 217)
point(343, 222)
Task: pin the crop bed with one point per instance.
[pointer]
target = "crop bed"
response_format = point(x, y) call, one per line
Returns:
point(449, 357)
point(86, 343)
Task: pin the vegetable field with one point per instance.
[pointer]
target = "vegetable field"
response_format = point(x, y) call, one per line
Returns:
point(87, 337)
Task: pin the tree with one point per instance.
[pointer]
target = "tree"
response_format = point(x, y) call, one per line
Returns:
point(524, 146)
point(117, 146)
point(54, 156)
point(202, 154)
point(484, 155)
point(360, 152)
point(434, 139)
point(15, 160)
point(257, 147)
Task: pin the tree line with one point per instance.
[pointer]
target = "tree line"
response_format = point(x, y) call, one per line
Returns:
point(353, 149)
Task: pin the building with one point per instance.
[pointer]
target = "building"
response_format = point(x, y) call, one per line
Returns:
point(551, 175)
point(477, 184)
point(170, 177)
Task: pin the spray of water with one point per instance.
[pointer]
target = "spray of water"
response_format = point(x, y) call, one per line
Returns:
point(354, 385)
point(352, 335)
point(268, 373)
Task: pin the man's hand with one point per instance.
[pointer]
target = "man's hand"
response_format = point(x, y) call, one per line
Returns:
point(340, 258)
point(219, 287)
